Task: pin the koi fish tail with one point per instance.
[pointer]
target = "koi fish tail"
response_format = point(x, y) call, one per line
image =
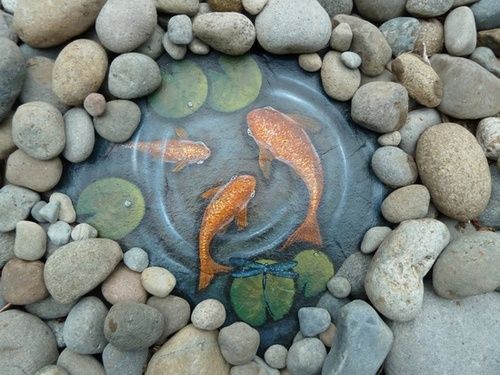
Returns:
point(307, 232)
point(208, 270)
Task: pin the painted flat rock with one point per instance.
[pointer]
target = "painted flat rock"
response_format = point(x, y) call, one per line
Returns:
point(243, 179)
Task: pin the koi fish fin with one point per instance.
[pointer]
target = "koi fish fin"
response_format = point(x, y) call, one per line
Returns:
point(308, 232)
point(242, 219)
point(265, 158)
point(210, 192)
point(179, 166)
point(208, 271)
point(306, 123)
point(181, 133)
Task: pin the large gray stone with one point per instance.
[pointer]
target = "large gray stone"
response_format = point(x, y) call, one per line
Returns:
point(118, 362)
point(486, 14)
point(401, 33)
point(380, 10)
point(15, 205)
point(12, 73)
point(460, 32)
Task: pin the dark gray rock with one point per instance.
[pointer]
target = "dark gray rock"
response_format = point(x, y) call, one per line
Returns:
point(118, 362)
point(12, 73)
point(176, 312)
point(79, 364)
point(119, 121)
point(15, 205)
point(354, 269)
point(401, 33)
point(49, 308)
point(490, 216)
point(313, 320)
point(486, 14)
point(380, 10)
point(332, 305)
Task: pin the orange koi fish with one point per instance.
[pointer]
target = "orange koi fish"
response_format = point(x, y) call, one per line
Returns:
point(228, 203)
point(282, 137)
point(180, 151)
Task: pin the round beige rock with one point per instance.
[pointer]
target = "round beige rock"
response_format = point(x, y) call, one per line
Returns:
point(158, 281)
point(79, 70)
point(123, 284)
point(22, 282)
point(310, 62)
point(408, 202)
point(453, 167)
point(209, 314)
point(488, 136)
point(95, 104)
point(421, 81)
point(38, 175)
point(45, 24)
point(339, 81)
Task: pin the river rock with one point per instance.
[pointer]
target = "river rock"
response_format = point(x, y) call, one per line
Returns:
point(119, 121)
point(49, 308)
point(448, 337)
point(158, 281)
point(153, 47)
point(95, 104)
point(136, 259)
point(83, 231)
point(254, 7)
point(373, 238)
point(66, 210)
point(428, 8)
point(293, 26)
point(490, 39)
point(408, 202)
point(394, 279)
point(350, 59)
point(454, 169)
point(485, 57)
point(310, 62)
point(79, 70)
point(490, 216)
point(339, 82)
point(339, 286)
point(354, 269)
point(228, 32)
point(460, 32)
point(38, 83)
point(34, 174)
point(7, 145)
point(486, 14)
point(394, 167)
point(190, 350)
point(189, 7)
point(78, 267)
point(130, 325)
point(362, 341)
point(175, 51)
point(332, 305)
point(132, 75)
point(15, 205)
point(209, 314)
point(198, 47)
point(31, 241)
point(306, 356)
point(79, 364)
point(368, 42)
point(27, 343)
point(59, 233)
point(380, 106)
point(488, 137)
point(313, 320)
point(380, 10)
point(122, 285)
point(431, 35)
point(48, 24)
point(84, 326)
point(468, 266)
point(176, 312)
point(12, 73)
point(51, 370)
point(275, 356)
point(469, 90)
point(118, 362)
point(401, 33)
point(22, 282)
point(7, 242)
point(341, 38)
point(416, 123)
point(421, 81)
point(80, 135)
point(390, 139)
point(239, 343)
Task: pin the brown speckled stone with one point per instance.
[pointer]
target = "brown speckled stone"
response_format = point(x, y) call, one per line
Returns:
point(22, 282)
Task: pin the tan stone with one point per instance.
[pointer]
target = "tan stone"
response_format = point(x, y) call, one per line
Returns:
point(225, 5)
point(22, 282)
point(432, 35)
point(122, 285)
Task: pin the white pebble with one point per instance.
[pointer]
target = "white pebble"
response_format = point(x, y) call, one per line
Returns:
point(373, 238)
point(158, 281)
point(83, 231)
point(350, 59)
point(339, 287)
point(208, 315)
point(67, 211)
point(198, 47)
point(136, 259)
point(254, 7)
point(59, 233)
point(390, 139)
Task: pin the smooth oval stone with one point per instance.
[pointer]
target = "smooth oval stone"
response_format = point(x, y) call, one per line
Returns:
point(390, 139)
point(15, 205)
point(313, 320)
point(310, 62)
point(275, 356)
point(123, 284)
point(428, 8)
point(368, 42)
point(416, 123)
point(209, 314)
point(469, 90)
point(485, 57)
point(25, 353)
point(453, 167)
point(79, 70)
point(306, 356)
point(118, 362)
point(238, 343)
point(408, 202)
point(78, 267)
point(468, 266)
point(341, 38)
point(380, 10)
point(80, 135)
point(47, 24)
point(460, 32)
point(31, 241)
point(119, 121)
point(180, 29)
point(394, 279)
point(254, 7)
point(401, 33)
point(12, 73)
point(394, 167)
point(123, 25)
point(22, 282)
point(339, 81)
point(293, 26)
point(373, 238)
point(79, 364)
point(486, 14)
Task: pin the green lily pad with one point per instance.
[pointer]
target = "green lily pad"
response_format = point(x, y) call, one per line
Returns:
point(113, 206)
point(183, 91)
point(254, 300)
point(237, 86)
point(314, 269)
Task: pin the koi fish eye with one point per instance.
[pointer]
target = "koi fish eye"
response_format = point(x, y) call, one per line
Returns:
point(234, 177)
point(252, 194)
point(200, 162)
point(249, 132)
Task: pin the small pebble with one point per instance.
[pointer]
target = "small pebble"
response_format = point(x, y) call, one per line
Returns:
point(373, 238)
point(57, 328)
point(153, 47)
point(406, 203)
point(136, 259)
point(175, 51)
point(123, 284)
point(118, 362)
point(198, 47)
point(341, 37)
point(328, 337)
point(51, 370)
point(22, 282)
point(119, 121)
point(239, 343)
point(305, 357)
point(83, 231)
point(35, 212)
point(49, 212)
point(339, 286)
point(209, 314)
point(95, 104)
point(313, 320)
point(394, 167)
point(390, 139)
point(354, 269)
point(180, 29)
point(350, 59)
point(275, 356)
point(310, 62)
point(80, 135)
point(59, 233)
point(254, 7)
point(158, 281)
point(488, 137)
point(31, 241)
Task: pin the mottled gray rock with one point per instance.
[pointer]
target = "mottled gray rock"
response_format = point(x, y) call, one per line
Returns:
point(380, 10)
point(448, 337)
point(7, 241)
point(83, 231)
point(293, 26)
point(373, 238)
point(485, 57)
point(489, 217)
point(78, 267)
point(275, 356)
point(79, 364)
point(362, 341)
point(209, 314)
point(394, 279)
point(339, 286)
point(390, 139)
point(118, 362)
point(27, 343)
point(49, 212)
point(59, 233)
point(133, 75)
point(469, 90)
point(15, 205)
point(341, 38)
point(453, 167)
point(131, 325)
point(119, 121)
point(238, 343)
point(339, 81)
point(180, 29)
point(380, 106)
point(80, 135)
point(12, 73)
point(84, 326)
point(486, 14)
point(428, 8)
point(31, 241)
point(123, 25)
point(460, 32)
point(416, 123)
point(406, 203)
point(67, 211)
point(49, 308)
point(401, 33)
point(313, 320)
point(153, 47)
point(95, 104)
point(431, 35)
point(175, 51)
point(334, 7)
point(176, 312)
point(394, 167)
point(136, 259)
point(354, 269)
point(350, 59)
point(51, 370)
point(306, 356)
point(368, 42)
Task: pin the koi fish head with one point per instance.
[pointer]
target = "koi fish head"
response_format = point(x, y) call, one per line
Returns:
point(203, 152)
point(245, 185)
point(262, 122)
